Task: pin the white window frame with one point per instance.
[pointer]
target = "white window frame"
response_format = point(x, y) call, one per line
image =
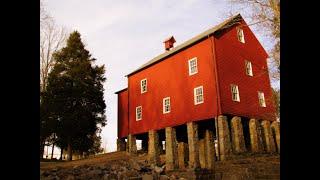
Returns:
point(262, 100)
point(138, 119)
point(141, 86)
point(236, 88)
point(164, 105)
point(248, 68)
point(195, 95)
point(240, 35)
point(195, 59)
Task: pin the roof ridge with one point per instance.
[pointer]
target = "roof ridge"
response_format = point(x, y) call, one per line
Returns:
point(188, 42)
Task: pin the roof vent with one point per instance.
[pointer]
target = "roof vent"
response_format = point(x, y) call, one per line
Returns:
point(168, 43)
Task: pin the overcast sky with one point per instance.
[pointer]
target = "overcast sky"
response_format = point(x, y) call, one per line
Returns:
point(125, 34)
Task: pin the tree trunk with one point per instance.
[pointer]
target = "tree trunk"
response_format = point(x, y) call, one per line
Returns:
point(41, 148)
point(61, 154)
point(54, 138)
point(52, 150)
point(69, 152)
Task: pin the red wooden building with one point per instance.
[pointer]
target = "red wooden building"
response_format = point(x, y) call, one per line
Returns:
point(222, 71)
point(229, 66)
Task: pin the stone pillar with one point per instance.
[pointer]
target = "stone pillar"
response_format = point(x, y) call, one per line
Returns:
point(153, 147)
point(275, 126)
point(237, 135)
point(182, 155)
point(171, 149)
point(268, 137)
point(192, 129)
point(202, 154)
point(255, 136)
point(210, 150)
point(224, 138)
point(132, 147)
point(121, 144)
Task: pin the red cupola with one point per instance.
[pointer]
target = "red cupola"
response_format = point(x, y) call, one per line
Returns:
point(168, 43)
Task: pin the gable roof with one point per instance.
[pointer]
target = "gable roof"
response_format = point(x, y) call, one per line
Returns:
point(225, 24)
point(171, 37)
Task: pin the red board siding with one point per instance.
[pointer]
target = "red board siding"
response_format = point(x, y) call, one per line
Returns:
point(170, 78)
point(231, 55)
point(123, 114)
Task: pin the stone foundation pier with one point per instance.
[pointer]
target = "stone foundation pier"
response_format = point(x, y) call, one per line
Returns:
point(238, 143)
point(153, 147)
point(255, 136)
point(275, 126)
point(121, 144)
point(171, 149)
point(183, 154)
point(225, 148)
point(192, 130)
point(209, 150)
point(132, 147)
point(268, 137)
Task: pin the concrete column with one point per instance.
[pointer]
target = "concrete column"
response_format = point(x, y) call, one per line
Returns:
point(171, 149)
point(275, 126)
point(202, 153)
point(192, 129)
point(210, 150)
point(224, 138)
point(153, 147)
point(255, 136)
point(268, 137)
point(237, 135)
point(132, 147)
point(121, 144)
point(182, 154)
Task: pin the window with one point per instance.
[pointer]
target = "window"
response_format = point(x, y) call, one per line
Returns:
point(166, 105)
point(248, 68)
point(138, 113)
point(262, 101)
point(198, 95)
point(193, 68)
point(143, 85)
point(240, 35)
point(235, 93)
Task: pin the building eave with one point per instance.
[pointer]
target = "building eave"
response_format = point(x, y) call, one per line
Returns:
point(121, 90)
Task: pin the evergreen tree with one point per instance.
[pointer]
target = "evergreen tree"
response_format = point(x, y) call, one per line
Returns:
point(75, 95)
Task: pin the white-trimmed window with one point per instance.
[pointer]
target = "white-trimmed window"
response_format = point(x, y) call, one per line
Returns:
point(138, 113)
point(235, 93)
point(240, 35)
point(248, 65)
point(143, 85)
point(166, 105)
point(262, 101)
point(193, 67)
point(198, 95)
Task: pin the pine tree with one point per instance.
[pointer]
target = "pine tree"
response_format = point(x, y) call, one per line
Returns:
point(75, 95)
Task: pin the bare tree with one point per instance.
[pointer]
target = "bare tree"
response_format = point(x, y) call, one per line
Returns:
point(52, 38)
point(44, 16)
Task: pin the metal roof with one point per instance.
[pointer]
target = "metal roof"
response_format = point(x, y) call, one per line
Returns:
point(227, 23)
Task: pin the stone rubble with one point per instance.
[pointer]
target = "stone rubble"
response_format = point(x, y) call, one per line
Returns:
point(118, 169)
